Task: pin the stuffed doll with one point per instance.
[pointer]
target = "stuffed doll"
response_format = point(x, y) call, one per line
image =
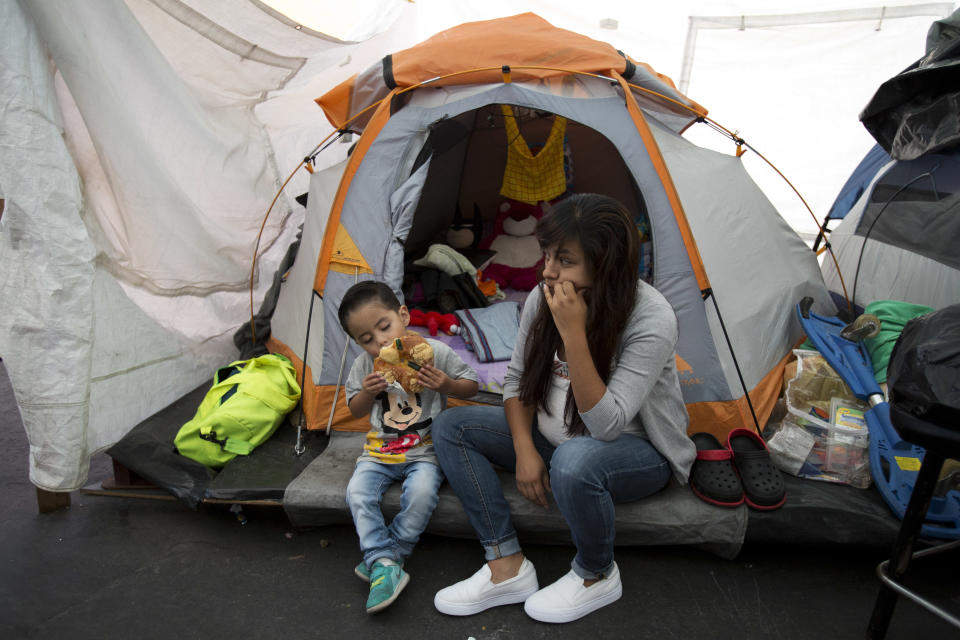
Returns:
point(518, 256)
point(434, 320)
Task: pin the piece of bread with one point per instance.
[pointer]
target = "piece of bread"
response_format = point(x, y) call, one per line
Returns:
point(400, 361)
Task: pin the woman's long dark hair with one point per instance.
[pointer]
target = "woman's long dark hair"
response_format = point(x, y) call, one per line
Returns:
point(608, 237)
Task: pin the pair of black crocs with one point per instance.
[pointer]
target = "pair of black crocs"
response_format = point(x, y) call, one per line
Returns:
point(739, 472)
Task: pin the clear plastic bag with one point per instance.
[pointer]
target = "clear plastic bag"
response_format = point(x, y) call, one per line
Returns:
point(821, 422)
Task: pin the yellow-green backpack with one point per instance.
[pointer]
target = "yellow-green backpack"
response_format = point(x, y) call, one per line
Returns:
point(247, 402)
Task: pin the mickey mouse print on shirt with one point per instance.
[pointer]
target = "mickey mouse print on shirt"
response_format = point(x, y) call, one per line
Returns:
point(402, 415)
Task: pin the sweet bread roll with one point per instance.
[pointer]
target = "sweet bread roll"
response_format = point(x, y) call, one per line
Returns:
point(400, 361)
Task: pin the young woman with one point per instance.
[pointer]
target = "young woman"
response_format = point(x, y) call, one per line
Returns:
point(592, 414)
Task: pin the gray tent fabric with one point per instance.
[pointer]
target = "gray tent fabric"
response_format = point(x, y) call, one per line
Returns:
point(914, 206)
point(297, 304)
point(898, 240)
point(757, 265)
point(672, 516)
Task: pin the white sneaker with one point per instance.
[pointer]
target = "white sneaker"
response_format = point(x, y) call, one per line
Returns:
point(477, 593)
point(567, 599)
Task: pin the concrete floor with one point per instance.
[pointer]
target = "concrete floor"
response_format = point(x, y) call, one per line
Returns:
point(132, 568)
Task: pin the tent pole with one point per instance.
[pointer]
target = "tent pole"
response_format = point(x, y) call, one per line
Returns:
point(336, 391)
point(736, 364)
point(866, 236)
point(299, 448)
point(343, 361)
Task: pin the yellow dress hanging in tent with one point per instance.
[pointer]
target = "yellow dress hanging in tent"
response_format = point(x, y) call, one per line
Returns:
point(528, 177)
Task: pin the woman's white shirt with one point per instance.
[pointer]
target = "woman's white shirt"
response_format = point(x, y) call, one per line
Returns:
point(552, 425)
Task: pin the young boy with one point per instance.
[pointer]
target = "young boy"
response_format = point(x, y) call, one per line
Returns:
point(398, 446)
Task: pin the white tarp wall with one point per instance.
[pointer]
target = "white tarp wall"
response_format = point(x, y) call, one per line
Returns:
point(141, 143)
point(797, 86)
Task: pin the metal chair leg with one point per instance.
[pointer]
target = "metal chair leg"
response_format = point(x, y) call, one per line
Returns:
point(902, 553)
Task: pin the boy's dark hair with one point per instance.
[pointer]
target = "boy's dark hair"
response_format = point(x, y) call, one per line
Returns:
point(362, 293)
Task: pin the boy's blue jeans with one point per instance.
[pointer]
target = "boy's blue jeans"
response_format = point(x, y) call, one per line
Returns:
point(587, 477)
point(369, 482)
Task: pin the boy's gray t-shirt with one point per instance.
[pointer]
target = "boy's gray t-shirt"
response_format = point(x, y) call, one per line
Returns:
point(400, 428)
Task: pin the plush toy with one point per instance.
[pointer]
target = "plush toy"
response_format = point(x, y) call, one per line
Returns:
point(400, 361)
point(434, 320)
point(518, 254)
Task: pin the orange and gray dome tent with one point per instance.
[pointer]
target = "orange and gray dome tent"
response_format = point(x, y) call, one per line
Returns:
point(431, 138)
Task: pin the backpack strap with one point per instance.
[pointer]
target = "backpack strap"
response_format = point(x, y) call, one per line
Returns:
point(230, 445)
point(237, 446)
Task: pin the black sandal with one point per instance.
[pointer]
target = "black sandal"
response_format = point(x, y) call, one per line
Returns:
point(762, 482)
point(713, 478)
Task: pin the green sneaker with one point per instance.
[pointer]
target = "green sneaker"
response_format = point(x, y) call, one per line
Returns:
point(363, 573)
point(386, 583)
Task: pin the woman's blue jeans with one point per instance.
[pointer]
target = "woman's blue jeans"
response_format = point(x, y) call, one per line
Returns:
point(587, 476)
point(369, 482)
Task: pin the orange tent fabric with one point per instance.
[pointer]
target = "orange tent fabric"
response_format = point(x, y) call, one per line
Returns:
point(525, 39)
point(522, 41)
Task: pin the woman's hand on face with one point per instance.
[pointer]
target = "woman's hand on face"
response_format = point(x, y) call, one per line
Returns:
point(533, 479)
point(568, 307)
